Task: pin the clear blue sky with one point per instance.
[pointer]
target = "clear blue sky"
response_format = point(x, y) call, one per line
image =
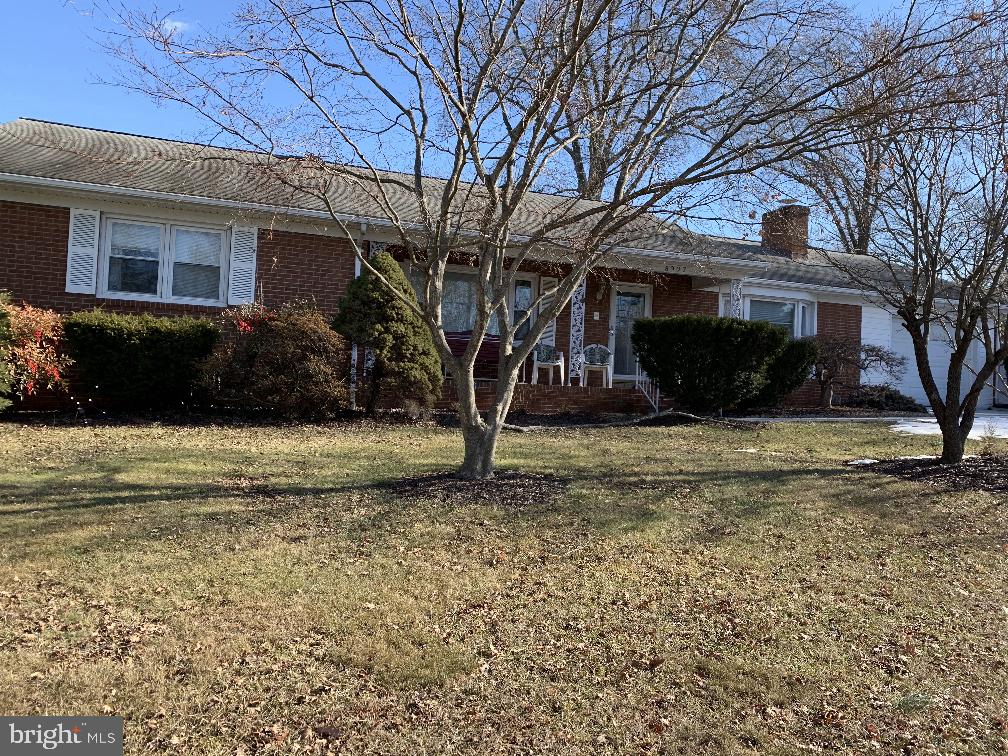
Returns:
point(51, 65)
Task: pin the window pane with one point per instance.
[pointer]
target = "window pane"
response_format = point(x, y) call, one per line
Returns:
point(198, 247)
point(806, 316)
point(458, 302)
point(128, 274)
point(522, 303)
point(778, 313)
point(135, 240)
point(134, 257)
point(197, 281)
point(196, 273)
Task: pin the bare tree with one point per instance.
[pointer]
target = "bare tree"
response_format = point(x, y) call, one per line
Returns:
point(924, 205)
point(628, 110)
point(840, 362)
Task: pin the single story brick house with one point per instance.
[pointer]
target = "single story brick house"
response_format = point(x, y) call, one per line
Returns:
point(138, 224)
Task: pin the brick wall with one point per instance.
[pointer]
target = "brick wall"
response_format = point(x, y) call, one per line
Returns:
point(33, 254)
point(33, 247)
point(545, 399)
point(294, 266)
point(832, 319)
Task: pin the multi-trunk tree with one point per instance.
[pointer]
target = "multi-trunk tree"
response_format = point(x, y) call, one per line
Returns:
point(629, 112)
point(919, 203)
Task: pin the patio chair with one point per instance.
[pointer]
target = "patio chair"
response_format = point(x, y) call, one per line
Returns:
point(547, 356)
point(598, 357)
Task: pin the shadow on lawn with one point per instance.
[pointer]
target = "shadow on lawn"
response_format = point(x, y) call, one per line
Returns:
point(597, 500)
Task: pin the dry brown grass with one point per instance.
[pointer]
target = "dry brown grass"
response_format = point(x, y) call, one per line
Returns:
point(684, 590)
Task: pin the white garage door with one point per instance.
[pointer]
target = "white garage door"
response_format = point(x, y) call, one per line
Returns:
point(939, 353)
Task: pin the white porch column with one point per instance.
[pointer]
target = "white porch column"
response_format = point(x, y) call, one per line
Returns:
point(577, 327)
point(735, 308)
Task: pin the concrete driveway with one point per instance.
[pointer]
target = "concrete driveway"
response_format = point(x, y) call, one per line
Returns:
point(988, 422)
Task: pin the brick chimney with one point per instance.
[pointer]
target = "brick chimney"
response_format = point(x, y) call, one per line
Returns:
point(785, 231)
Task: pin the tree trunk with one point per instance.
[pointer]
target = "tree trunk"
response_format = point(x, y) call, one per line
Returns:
point(953, 445)
point(826, 394)
point(954, 432)
point(480, 447)
point(480, 433)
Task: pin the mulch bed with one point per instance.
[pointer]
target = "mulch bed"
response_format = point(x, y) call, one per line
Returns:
point(987, 472)
point(510, 488)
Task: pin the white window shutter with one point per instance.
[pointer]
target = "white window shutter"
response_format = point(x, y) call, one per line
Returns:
point(82, 251)
point(549, 335)
point(242, 269)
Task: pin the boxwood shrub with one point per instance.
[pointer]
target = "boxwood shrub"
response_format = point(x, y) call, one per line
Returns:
point(139, 361)
point(708, 363)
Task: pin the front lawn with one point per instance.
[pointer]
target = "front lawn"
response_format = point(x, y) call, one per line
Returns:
point(681, 589)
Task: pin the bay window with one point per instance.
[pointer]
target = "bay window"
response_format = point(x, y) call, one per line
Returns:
point(163, 262)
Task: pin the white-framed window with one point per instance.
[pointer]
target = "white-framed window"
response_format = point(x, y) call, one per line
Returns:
point(523, 294)
point(458, 300)
point(160, 261)
point(797, 315)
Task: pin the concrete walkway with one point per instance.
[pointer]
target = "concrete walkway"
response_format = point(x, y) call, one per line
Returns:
point(988, 422)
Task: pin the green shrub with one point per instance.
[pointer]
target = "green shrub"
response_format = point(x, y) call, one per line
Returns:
point(287, 363)
point(139, 361)
point(6, 367)
point(883, 398)
point(707, 363)
point(372, 316)
point(785, 373)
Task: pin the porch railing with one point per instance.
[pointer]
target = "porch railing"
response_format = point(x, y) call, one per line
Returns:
point(644, 384)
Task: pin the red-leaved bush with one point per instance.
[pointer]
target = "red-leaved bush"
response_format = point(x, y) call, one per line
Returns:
point(248, 317)
point(36, 354)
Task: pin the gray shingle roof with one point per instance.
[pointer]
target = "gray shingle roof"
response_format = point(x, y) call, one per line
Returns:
point(44, 150)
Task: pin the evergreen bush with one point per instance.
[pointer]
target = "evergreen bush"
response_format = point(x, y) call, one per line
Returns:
point(406, 364)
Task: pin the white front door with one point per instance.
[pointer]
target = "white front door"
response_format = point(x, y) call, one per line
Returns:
point(629, 302)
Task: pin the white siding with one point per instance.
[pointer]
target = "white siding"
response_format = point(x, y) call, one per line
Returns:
point(876, 328)
point(939, 353)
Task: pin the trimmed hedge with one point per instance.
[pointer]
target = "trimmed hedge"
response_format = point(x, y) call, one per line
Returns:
point(139, 361)
point(884, 398)
point(707, 363)
point(786, 372)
